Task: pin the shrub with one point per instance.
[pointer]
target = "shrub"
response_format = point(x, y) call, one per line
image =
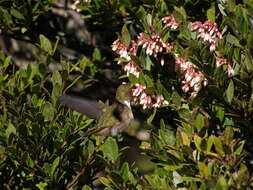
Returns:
point(189, 65)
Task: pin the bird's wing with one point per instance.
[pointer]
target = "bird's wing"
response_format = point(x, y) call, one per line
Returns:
point(90, 108)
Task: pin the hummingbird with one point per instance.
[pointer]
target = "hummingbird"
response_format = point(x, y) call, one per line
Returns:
point(111, 119)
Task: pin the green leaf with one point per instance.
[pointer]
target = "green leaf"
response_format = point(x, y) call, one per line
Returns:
point(48, 111)
point(29, 161)
point(10, 130)
point(230, 91)
point(239, 147)
point(90, 148)
point(126, 38)
point(86, 187)
point(221, 8)
point(181, 11)
point(220, 113)
point(221, 183)
point(203, 169)
point(54, 165)
point(172, 167)
point(45, 44)
point(177, 178)
point(57, 86)
point(248, 63)
point(149, 81)
point(197, 142)
point(218, 145)
point(151, 117)
point(233, 40)
point(167, 136)
point(110, 149)
point(228, 135)
point(124, 172)
point(149, 63)
point(199, 122)
point(17, 14)
point(184, 138)
point(210, 142)
point(96, 56)
point(228, 122)
point(242, 175)
point(41, 185)
point(105, 181)
point(148, 19)
point(7, 62)
point(211, 13)
point(7, 17)
point(191, 179)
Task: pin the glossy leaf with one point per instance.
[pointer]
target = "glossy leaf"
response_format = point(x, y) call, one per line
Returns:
point(110, 149)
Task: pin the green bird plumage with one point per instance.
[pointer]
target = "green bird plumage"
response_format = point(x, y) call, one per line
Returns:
point(111, 119)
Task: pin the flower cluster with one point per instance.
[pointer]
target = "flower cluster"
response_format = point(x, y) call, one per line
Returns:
point(131, 67)
point(171, 22)
point(147, 101)
point(125, 52)
point(154, 45)
point(222, 61)
point(192, 78)
point(121, 49)
point(208, 32)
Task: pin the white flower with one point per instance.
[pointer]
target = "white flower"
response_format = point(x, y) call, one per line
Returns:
point(231, 71)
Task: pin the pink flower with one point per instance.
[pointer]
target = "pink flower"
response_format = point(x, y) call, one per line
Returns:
point(154, 45)
point(231, 71)
point(133, 48)
point(121, 49)
point(171, 22)
point(160, 101)
point(192, 79)
point(130, 67)
point(126, 52)
point(147, 101)
point(186, 87)
point(220, 61)
point(208, 32)
point(138, 90)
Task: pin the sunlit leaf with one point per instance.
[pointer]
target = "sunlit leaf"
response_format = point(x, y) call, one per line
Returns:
point(211, 13)
point(45, 44)
point(126, 38)
point(218, 145)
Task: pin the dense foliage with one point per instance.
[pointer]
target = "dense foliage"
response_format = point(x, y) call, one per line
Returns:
point(190, 67)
